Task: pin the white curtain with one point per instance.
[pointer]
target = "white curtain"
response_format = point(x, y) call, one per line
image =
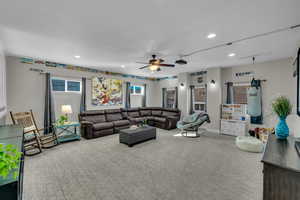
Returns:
point(3, 104)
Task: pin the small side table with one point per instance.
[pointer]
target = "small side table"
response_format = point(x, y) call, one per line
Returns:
point(67, 132)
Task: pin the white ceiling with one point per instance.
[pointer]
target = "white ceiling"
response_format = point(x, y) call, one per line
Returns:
point(108, 34)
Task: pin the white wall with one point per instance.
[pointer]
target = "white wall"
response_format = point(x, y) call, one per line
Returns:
point(214, 98)
point(2, 85)
point(167, 83)
point(26, 89)
point(184, 93)
point(280, 81)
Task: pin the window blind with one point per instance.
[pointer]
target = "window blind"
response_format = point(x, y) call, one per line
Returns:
point(240, 94)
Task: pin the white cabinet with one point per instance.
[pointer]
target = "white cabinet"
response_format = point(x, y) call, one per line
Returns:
point(234, 127)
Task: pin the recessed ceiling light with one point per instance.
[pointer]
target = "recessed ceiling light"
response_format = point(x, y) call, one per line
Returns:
point(77, 56)
point(231, 54)
point(123, 66)
point(211, 35)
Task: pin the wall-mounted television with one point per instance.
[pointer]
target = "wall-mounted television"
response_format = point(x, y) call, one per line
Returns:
point(298, 82)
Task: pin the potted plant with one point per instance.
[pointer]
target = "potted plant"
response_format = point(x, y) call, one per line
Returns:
point(9, 160)
point(62, 120)
point(143, 123)
point(282, 107)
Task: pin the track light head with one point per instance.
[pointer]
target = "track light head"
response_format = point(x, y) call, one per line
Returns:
point(181, 62)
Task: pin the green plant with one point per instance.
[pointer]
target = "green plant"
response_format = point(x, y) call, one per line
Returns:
point(145, 122)
point(9, 160)
point(282, 106)
point(62, 119)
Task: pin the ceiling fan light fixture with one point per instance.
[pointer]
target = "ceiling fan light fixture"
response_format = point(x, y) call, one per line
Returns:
point(153, 67)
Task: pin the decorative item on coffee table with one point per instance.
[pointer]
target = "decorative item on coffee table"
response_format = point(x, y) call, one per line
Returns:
point(282, 107)
point(143, 123)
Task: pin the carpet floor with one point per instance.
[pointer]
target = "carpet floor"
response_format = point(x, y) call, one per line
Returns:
point(169, 168)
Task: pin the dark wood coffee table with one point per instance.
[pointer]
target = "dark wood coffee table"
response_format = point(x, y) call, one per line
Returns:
point(134, 136)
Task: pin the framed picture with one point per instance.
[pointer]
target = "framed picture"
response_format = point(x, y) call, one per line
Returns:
point(106, 91)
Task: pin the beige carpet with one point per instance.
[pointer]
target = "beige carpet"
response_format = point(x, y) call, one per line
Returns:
point(169, 168)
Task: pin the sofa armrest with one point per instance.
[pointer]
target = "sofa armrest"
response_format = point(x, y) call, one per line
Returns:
point(173, 118)
point(86, 129)
point(172, 121)
point(86, 123)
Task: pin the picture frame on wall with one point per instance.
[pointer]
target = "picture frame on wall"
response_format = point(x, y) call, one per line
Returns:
point(106, 91)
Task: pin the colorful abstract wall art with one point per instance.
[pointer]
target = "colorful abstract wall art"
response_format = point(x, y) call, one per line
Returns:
point(106, 91)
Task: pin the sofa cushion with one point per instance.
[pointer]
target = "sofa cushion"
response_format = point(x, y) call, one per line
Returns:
point(121, 123)
point(156, 112)
point(92, 112)
point(104, 125)
point(133, 114)
point(168, 113)
point(160, 119)
point(94, 118)
point(124, 113)
point(150, 117)
point(137, 119)
point(113, 115)
point(145, 112)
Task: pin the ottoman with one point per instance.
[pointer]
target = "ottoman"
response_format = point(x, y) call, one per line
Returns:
point(133, 136)
point(250, 144)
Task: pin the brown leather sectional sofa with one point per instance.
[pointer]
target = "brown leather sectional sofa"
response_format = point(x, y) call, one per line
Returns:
point(97, 123)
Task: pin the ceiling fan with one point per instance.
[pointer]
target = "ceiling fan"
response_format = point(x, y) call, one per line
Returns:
point(155, 64)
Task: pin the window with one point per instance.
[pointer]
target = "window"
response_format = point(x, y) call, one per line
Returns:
point(199, 98)
point(58, 85)
point(136, 90)
point(73, 86)
point(170, 98)
point(62, 85)
point(240, 94)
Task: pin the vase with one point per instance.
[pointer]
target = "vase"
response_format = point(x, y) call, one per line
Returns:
point(282, 129)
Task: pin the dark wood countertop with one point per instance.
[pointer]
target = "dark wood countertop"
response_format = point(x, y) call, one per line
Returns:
point(282, 153)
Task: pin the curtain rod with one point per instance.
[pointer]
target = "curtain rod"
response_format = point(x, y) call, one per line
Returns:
point(87, 78)
point(264, 80)
point(54, 74)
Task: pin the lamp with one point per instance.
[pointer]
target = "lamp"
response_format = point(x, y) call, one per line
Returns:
point(66, 109)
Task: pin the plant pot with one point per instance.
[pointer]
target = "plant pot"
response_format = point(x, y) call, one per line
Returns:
point(282, 129)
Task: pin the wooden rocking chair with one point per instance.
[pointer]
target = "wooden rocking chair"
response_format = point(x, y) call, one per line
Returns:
point(33, 139)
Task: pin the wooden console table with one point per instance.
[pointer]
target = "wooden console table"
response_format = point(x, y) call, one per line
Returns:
point(10, 187)
point(281, 170)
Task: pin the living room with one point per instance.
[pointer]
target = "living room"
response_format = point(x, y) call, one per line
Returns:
point(130, 112)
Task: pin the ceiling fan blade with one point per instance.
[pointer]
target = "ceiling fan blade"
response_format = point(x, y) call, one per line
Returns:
point(141, 62)
point(144, 67)
point(167, 65)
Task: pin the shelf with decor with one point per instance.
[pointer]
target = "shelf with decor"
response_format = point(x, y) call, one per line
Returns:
point(234, 119)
